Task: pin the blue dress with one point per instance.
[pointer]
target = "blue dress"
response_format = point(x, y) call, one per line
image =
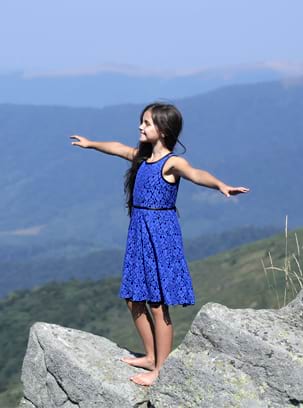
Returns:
point(154, 268)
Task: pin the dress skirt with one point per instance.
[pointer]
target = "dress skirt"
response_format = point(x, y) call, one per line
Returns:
point(154, 268)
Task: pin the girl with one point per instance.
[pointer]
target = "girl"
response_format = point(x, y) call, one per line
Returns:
point(155, 272)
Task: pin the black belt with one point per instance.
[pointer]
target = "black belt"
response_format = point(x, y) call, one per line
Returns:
point(151, 208)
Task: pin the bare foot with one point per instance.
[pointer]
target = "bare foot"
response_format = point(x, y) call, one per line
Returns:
point(142, 362)
point(145, 378)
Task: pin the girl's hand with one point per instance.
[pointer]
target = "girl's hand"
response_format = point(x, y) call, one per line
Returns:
point(83, 142)
point(229, 191)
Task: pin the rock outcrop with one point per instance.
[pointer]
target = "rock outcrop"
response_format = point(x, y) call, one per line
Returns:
point(230, 358)
point(69, 368)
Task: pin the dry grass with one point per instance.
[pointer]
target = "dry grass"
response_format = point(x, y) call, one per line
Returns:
point(291, 269)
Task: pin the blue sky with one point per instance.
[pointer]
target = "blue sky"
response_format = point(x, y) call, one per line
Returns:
point(158, 34)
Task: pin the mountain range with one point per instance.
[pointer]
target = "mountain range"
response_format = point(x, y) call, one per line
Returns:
point(119, 84)
point(249, 135)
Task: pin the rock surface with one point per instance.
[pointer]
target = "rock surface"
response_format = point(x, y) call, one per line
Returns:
point(230, 358)
point(236, 358)
point(69, 368)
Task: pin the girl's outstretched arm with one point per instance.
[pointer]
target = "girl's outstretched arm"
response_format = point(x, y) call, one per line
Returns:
point(181, 167)
point(113, 148)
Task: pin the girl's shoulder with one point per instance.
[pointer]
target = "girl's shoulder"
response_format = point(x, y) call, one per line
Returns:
point(174, 164)
point(174, 159)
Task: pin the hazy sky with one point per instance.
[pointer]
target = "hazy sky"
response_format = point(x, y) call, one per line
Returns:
point(158, 34)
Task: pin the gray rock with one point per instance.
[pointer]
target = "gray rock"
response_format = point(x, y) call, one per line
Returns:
point(236, 358)
point(230, 358)
point(70, 368)
point(26, 404)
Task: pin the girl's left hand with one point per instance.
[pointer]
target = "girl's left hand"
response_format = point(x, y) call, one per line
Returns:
point(230, 191)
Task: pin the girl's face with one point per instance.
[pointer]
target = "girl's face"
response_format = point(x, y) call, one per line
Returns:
point(148, 131)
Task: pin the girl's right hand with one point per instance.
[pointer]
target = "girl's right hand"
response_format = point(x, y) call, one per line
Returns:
point(83, 142)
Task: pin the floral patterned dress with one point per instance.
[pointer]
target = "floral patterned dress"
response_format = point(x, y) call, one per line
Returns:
point(154, 268)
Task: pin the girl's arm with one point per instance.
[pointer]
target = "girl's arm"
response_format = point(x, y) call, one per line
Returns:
point(181, 167)
point(113, 148)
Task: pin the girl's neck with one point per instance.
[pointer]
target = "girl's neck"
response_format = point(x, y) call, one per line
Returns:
point(158, 151)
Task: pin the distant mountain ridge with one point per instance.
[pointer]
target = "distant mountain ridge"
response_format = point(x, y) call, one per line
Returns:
point(114, 84)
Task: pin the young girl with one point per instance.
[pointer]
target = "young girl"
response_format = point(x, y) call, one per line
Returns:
point(155, 272)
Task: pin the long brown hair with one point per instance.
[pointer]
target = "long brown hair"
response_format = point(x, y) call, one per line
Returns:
point(168, 121)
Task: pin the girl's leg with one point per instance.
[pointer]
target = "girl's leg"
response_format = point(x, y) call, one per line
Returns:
point(164, 342)
point(145, 326)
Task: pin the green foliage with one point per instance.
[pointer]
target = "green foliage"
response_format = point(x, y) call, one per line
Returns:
point(12, 395)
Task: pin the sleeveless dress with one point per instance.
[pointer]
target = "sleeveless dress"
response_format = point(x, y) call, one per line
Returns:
point(154, 267)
